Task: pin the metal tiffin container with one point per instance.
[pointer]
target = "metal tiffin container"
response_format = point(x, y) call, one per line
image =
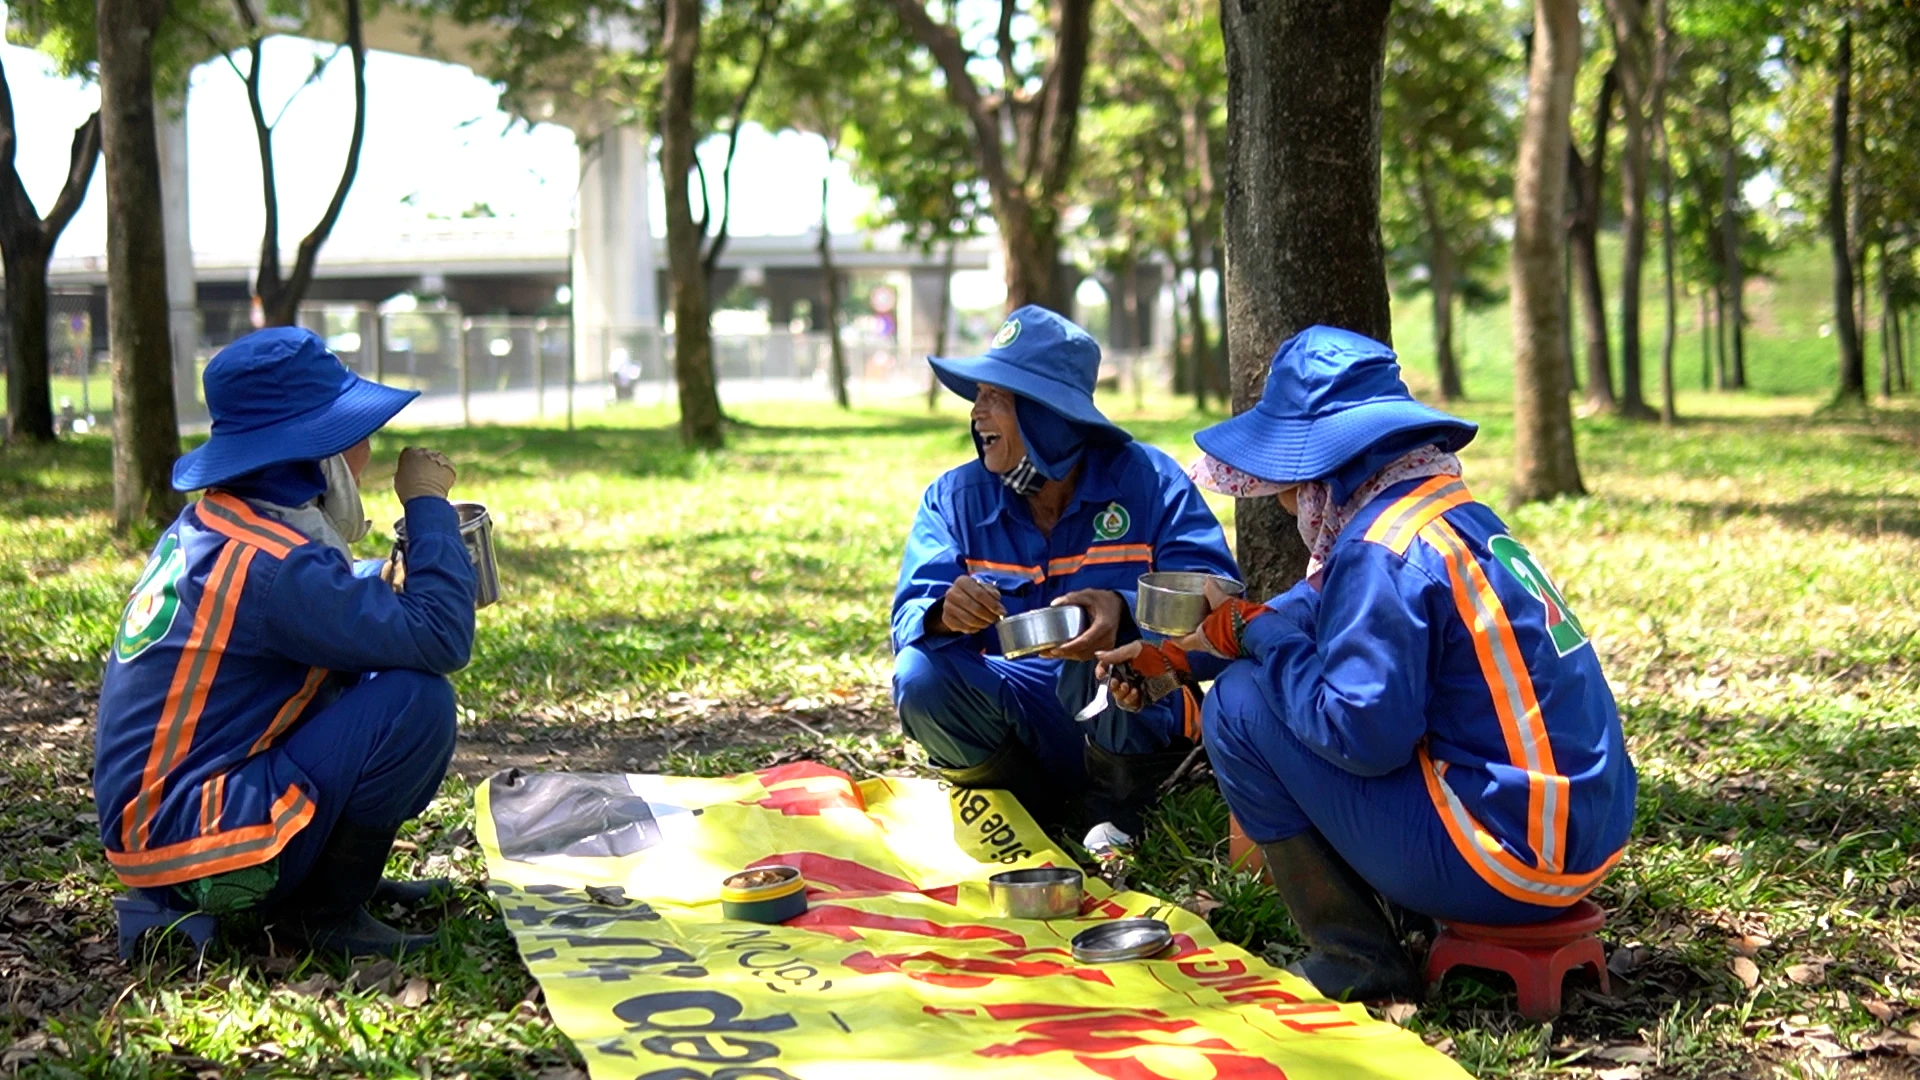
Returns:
point(1044, 893)
point(476, 532)
point(1175, 602)
point(1039, 630)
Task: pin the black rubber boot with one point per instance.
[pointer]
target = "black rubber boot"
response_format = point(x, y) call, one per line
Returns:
point(328, 911)
point(1120, 787)
point(410, 894)
point(1014, 769)
point(1355, 952)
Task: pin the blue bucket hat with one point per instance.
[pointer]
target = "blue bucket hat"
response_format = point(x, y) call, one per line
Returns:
point(276, 396)
point(1332, 396)
point(1043, 358)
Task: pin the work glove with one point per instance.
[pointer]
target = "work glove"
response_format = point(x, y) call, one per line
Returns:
point(1151, 673)
point(421, 473)
point(1225, 630)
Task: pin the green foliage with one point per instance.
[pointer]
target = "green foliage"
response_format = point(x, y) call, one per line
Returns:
point(64, 30)
point(1449, 106)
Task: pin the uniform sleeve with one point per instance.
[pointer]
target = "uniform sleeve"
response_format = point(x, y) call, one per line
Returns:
point(319, 612)
point(932, 563)
point(1346, 667)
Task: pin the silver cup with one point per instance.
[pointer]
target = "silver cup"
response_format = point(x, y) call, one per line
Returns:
point(476, 532)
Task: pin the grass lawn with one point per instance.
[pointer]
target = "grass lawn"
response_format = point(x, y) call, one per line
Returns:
point(1749, 578)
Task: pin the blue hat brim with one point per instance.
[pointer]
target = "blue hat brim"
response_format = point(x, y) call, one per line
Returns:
point(1291, 450)
point(359, 411)
point(963, 376)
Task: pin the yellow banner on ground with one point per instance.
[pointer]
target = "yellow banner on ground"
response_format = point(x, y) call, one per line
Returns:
point(897, 970)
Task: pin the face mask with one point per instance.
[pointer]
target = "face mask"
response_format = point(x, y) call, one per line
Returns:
point(341, 501)
point(1024, 478)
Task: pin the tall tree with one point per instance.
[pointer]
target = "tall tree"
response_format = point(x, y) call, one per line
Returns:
point(1853, 362)
point(1664, 47)
point(146, 431)
point(1586, 184)
point(693, 367)
point(1302, 208)
point(26, 243)
point(1545, 464)
point(1024, 125)
point(1633, 59)
point(279, 295)
point(1450, 94)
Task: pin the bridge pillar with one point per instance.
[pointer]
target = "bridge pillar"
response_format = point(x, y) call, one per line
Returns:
point(616, 309)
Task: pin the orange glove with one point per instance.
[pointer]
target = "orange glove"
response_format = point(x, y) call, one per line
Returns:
point(1225, 628)
point(1157, 671)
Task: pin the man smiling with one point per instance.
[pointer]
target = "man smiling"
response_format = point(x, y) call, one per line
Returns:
point(1061, 506)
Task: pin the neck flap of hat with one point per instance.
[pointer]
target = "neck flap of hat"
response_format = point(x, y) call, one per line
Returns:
point(287, 484)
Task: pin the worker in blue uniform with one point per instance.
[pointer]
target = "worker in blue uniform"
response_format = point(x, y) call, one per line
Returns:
point(1060, 506)
point(269, 716)
point(1422, 717)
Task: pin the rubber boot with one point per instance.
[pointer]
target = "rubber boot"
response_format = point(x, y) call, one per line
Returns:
point(1354, 951)
point(1120, 787)
point(1014, 768)
point(409, 894)
point(328, 911)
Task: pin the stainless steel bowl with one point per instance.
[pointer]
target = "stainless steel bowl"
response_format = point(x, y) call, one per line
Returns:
point(1049, 893)
point(476, 532)
point(1034, 631)
point(1122, 939)
point(1175, 602)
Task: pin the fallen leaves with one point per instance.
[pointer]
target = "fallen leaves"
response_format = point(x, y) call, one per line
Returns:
point(1746, 971)
point(1806, 974)
point(1627, 1054)
point(414, 994)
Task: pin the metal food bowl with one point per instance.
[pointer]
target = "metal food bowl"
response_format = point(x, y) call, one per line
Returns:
point(1038, 630)
point(1175, 602)
point(1122, 939)
point(476, 532)
point(764, 894)
point(1049, 893)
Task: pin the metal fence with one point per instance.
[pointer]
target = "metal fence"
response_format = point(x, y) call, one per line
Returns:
point(509, 369)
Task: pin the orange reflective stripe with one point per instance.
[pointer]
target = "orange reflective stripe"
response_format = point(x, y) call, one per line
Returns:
point(193, 677)
point(1189, 715)
point(290, 711)
point(232, 518)
point(1413, 512)
point(1494, 863)
point(1031, 573)
point(1100, 555)
point(206, 808)
point(219, 799)
point(1511, 688)
point(216, 854)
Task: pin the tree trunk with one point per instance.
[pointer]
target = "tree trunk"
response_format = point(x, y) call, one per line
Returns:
point(1886, 325)
point(26, 243)
point(1731, 206)
point(940, 328)
point(836, 349)
point(1545, 465)
point(1585, 181)
point(280, 299)
point(1196, 317)
point(1182, 367)
point(1302, 209)
point(29, 387)
point(1853, 373)
point(1441, 283)
point(146, 432)
point(1630, 38)
point(1720, 336)
point(1662, 62)
point(1706, 342)
point(692, 336)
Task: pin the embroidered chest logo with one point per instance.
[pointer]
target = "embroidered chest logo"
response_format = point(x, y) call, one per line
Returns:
point(1562, 625)
point(1112, 523)
point(1008, 333)
point(155, 603)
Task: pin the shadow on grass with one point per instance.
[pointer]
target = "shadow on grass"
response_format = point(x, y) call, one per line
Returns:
point(1862, 514)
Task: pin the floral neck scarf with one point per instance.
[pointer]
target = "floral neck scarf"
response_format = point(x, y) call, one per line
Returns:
point(1321, 522)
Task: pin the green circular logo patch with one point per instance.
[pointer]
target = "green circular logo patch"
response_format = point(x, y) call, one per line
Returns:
point(1008, 333)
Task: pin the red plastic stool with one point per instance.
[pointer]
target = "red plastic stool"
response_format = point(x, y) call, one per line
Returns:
point(1538, 956)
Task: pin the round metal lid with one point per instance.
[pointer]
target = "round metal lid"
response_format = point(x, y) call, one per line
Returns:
point(1122, 939)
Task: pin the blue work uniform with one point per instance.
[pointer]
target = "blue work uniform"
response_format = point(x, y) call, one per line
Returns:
point(259, 691)
point(1436, 711)
point(1133, 511)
